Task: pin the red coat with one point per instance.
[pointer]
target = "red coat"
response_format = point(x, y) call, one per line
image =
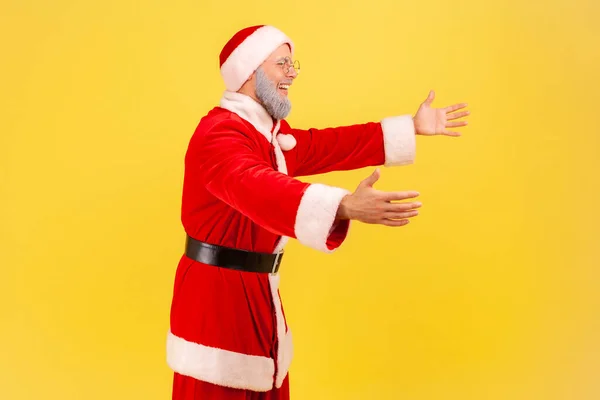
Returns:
point(228, 327)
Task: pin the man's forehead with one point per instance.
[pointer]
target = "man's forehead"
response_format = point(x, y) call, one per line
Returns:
point(282, 52)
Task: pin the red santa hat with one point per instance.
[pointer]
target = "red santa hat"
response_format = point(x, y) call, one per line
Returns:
point(246, 50)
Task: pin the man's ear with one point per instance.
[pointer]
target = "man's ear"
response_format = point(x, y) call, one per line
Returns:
point(249, 85)
point(251, 78)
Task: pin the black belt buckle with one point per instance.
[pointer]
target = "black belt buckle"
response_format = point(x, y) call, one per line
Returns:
point(276, 262)
point(236, 259)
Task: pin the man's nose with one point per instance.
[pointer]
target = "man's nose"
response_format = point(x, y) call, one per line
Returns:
point(292, 73)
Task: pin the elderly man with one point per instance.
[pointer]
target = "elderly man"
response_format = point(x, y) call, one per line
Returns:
point(228, 336)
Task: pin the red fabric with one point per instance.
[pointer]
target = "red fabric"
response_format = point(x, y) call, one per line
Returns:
point(235, 41)
point(234, 196)
point(334, 149)
point(220, 307)
point(186, 388)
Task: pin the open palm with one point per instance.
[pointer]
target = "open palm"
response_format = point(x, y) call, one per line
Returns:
point(436, 121)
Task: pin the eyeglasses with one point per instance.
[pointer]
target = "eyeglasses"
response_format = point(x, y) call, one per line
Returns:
point(286, 64)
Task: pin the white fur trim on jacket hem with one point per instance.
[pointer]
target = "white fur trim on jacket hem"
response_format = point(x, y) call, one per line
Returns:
point(399, 140)
point(284, 337)
point(316, 215)
point(218, 366)
point(286, 349)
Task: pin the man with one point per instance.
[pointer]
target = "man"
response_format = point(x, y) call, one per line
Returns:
point(241, 203)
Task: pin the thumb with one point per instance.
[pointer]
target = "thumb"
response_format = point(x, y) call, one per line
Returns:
point(430, 97)
point(371, 179)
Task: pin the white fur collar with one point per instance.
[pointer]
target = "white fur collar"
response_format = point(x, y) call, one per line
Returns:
point(248, 109)
point(251, 111)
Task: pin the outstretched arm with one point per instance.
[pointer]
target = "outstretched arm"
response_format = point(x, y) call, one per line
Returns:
point(229, 166)
point(390, 142)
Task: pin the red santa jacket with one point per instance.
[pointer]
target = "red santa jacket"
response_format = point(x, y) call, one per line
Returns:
point(228, 327)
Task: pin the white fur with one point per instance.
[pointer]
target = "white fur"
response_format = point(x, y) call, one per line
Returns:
point(286, 348)
point(281, 167)
point(250, 110)
point(248, 56)
point(399, 140)
point(286, 142)
point(316, 215)
point(218, 366)
point(285, 351)
point(279, 157)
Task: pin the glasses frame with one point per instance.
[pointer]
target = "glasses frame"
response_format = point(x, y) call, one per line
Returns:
point(287, 63)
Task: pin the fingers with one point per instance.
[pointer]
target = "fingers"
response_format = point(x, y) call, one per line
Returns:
point(450, 133)
point(401, 215)
point(455, 124)
point(371, 179)
point(398, 218)
point(391, 196)
point(430, 97)
point(391, 222)
point(457, 115)
point(398, 208)
point(455, 107)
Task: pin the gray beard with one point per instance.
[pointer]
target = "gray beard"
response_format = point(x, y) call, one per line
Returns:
point(276, 105)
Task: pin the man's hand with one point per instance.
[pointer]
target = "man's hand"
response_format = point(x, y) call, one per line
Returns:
point(372, 206)
point(435, 121)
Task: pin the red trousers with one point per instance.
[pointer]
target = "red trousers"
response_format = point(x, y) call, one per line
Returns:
point(187, 388)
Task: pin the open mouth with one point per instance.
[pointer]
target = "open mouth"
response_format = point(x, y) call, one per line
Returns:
point(284, 87)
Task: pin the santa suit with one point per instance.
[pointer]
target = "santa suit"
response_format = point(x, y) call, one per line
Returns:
point(228, 337)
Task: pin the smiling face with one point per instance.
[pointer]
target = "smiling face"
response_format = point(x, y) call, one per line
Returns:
point(270, 84)
point(277, 69)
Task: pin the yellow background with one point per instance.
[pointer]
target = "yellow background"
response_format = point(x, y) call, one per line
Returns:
point(491, 293)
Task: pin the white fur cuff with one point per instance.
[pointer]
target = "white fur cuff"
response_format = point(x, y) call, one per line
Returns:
point(399, 140)
point(316, 215)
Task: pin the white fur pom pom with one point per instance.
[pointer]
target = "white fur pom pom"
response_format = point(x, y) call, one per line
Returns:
point(286, 142)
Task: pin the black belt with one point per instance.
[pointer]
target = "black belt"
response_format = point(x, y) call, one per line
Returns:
point(226, 257)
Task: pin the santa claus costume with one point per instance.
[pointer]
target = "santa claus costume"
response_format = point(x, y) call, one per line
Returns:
point(241, 202)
